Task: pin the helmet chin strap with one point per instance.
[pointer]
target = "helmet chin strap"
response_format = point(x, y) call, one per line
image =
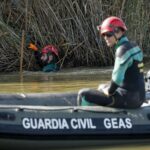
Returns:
point(116, 30)
point(115, 37)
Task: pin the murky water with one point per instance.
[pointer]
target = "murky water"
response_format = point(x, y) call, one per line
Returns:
point(35, 82)
point(67, 81)
point(122, 147)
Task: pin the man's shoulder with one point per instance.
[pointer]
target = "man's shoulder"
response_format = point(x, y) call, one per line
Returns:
point(124, 47)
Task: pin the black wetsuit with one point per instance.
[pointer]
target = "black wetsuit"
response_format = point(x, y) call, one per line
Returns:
point(127, 88)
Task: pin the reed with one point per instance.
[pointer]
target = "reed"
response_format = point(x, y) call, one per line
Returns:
point(71, 26)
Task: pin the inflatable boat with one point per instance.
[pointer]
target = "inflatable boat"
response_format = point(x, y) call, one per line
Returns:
point(45, 120)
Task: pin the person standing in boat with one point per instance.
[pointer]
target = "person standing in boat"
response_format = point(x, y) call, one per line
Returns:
point(47, 59)
point(127, 87)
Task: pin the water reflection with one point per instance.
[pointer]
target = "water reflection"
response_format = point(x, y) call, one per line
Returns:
point(51, 83)
point(144, 146)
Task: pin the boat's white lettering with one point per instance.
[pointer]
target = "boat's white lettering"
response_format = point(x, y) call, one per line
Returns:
point(82, 124)
point(57, 123)
point(25, 123)
point(117, 123)
point(128, 123)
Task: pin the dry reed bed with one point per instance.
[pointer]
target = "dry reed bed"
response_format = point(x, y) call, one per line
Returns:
point(70, 25)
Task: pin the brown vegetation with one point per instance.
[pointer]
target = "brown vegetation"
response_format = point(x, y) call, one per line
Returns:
point(71, 26)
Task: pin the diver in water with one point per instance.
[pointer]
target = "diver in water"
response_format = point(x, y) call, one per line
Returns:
point(47, 59)
point(127, 87)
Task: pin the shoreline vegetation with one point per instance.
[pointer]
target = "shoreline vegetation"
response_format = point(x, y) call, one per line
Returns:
point(71, 26)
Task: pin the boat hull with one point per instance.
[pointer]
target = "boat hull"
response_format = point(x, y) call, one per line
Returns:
point(41, 125)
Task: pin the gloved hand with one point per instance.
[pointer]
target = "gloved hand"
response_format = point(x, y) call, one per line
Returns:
point(33, 47)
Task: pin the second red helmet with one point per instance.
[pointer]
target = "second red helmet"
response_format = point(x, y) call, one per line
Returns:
point(50, 48)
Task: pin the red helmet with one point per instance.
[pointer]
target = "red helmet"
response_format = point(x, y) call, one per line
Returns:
point(50, 48)
point(110, 24)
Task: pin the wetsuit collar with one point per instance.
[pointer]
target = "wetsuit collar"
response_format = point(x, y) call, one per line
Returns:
point(121, 40)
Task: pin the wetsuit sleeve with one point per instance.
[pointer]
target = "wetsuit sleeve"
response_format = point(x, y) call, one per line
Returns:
point(113, 87)
point(122, 62)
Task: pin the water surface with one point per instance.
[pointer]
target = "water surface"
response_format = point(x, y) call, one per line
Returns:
point(63, 81)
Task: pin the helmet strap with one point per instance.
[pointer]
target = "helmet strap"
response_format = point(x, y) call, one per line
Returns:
point(115, 37)
point(116, 30)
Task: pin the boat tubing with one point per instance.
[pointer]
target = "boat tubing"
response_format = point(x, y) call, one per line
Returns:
point(54, 120)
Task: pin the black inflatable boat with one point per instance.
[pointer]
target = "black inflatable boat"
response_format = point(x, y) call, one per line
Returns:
point(41, 121)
